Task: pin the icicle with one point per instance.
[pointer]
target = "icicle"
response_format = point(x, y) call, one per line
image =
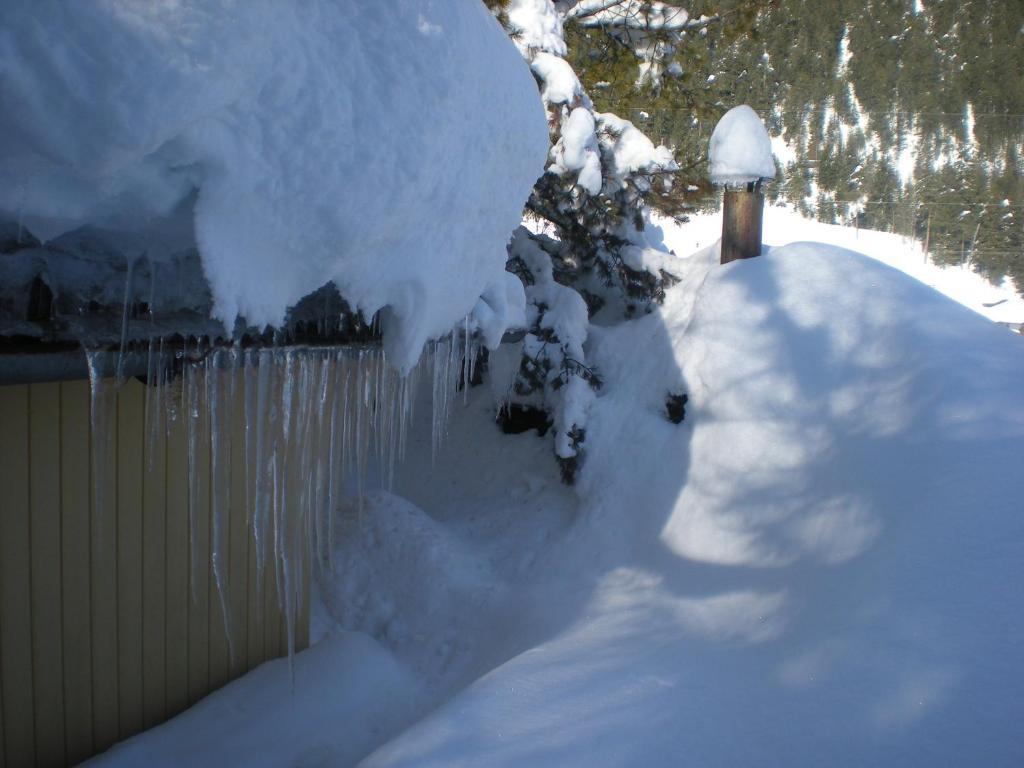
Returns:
point(297, 526)
point(467, 372)
point(305, 410)
point(100, 407)
point(474, 354)
point(360, 375)
point(249, 373)
point(266, 418)
point(290, 434)
point(407, 386)
point(125, 318)
point(235, 357)
point(162, 372)
point(220, 473)
point(147, 408)
point(193, 413)
point(446, 374)
point(281, 468)
point(379, 410)
point(323, 485)
point(436, 367)
point(333, 460)
point(154, 267)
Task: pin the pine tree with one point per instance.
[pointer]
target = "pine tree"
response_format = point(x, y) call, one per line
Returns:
point(593, 254)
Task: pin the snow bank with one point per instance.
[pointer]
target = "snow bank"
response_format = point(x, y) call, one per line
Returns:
point(740, 150)
point(388, 148)
point(231, 726)
point(815, 568)
point(999, 303)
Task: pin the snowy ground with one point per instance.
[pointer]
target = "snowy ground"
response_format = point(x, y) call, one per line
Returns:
point(782, 225)
point(819, 566)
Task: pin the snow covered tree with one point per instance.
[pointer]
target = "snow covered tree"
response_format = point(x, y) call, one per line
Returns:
point(588, 251)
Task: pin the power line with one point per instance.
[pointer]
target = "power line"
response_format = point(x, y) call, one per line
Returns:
point(906, 203)
point(900, 113)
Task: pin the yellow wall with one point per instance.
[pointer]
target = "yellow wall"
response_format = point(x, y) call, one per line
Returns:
point(99, 634)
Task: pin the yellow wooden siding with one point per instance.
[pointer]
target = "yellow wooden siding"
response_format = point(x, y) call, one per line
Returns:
point(100, 633)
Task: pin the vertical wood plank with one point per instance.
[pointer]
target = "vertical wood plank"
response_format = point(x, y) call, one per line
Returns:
point(239, 534)
point(178, 597)
point(271, 608)
point(95, 566)
point(103, 602)
point(3, 741)
point(199, 603)
point(129, 556)
point(3, 754)
point(254, 601)
point(15, 589)
point(273, 574)
point(44, 494)
point(75, 568)
point(220, 492)
point(302, 613)
point(254, 598)
point(154, 564)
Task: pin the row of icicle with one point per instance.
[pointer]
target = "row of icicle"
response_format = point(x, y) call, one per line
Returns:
point(317, 421)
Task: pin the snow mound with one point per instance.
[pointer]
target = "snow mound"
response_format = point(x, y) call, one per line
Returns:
point(1001, 303)
point(816, 567)
point(313, 727)
point(385, 550)
point(740, 150)
point(332, 142)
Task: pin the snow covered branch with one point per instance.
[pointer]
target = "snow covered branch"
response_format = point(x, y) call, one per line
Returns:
point(591, 252)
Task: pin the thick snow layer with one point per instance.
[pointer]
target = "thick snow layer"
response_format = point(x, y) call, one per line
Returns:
point(577, 151)
point(536, 26)
point(740, 150)
point(817, 567)
point(631, 14)
point(631, 151)
point(335, 141)
point(232, 728)
point(560, 83)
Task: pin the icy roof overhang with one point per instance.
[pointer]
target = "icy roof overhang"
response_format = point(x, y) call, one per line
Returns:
point(97, 289)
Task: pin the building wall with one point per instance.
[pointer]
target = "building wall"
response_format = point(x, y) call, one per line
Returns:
point(101, 635)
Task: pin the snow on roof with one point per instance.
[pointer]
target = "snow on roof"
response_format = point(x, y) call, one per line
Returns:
point(740, 150)
point(386, 147)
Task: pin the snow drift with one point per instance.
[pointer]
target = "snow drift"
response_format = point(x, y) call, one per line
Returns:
point(336, 141)
point(818, 566)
